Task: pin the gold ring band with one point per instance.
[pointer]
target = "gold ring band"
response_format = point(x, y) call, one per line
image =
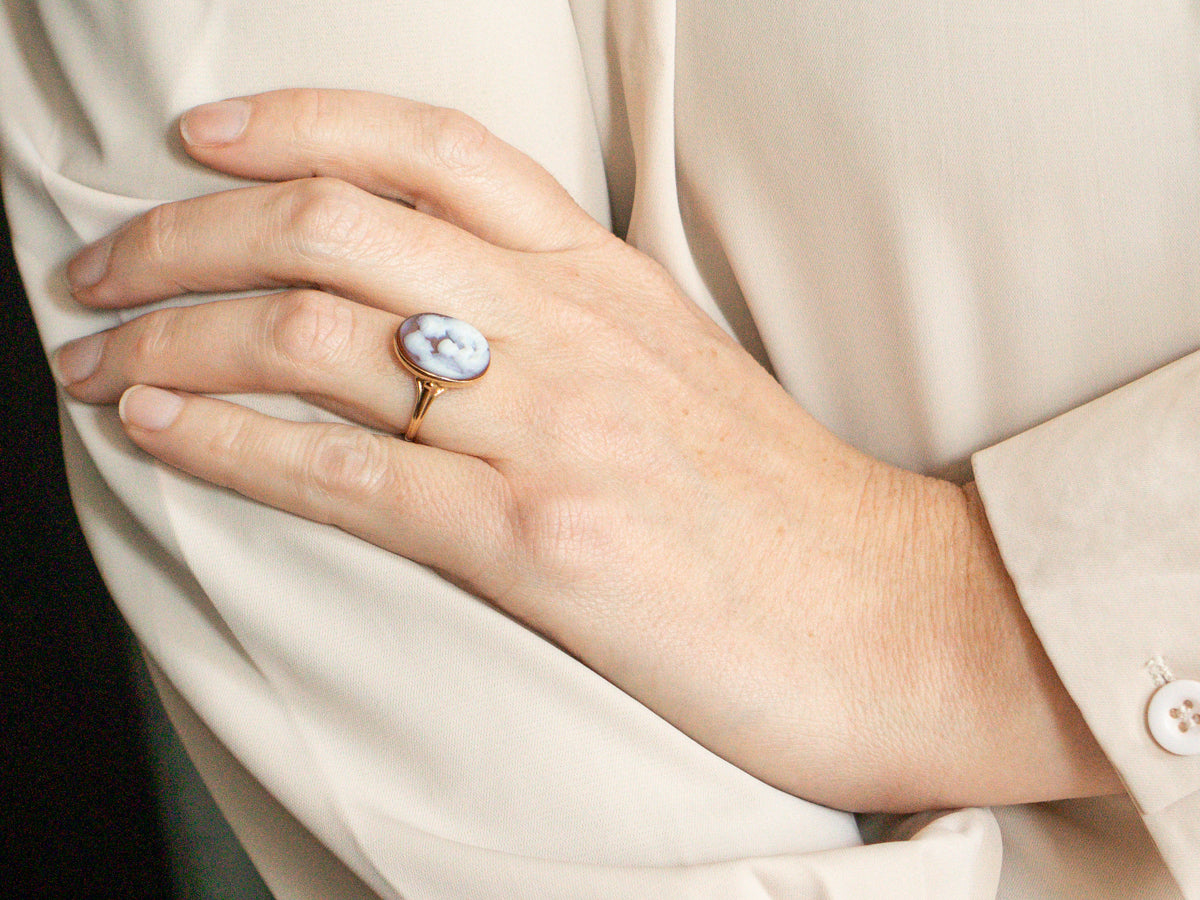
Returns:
point(426, 392)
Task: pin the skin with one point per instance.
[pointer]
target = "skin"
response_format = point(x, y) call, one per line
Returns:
point(636, 486)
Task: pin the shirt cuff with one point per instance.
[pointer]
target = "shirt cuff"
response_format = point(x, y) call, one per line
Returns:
point(1097, 516)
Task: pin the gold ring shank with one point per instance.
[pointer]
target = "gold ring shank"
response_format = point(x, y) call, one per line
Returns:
point(426, 392)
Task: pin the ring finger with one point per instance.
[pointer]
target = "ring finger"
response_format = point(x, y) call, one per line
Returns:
point(332, 351)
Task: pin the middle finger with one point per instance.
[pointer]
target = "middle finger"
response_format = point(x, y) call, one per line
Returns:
point(318, 232)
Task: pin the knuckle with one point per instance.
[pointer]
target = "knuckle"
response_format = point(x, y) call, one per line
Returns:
point(454, 141)
point(153, 339)
point(160, 233)
point(310, 329)
point(230, 440)
point(563, 535)
point(349, 465)
point(321, 218)
point(652, 279)
point(579, 320)
point(593, 323)
point(308, 113)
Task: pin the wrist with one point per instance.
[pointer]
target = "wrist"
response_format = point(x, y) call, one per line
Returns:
point(1027, 740)
point(977, 714)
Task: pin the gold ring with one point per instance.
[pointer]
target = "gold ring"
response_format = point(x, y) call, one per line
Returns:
point(440, 352)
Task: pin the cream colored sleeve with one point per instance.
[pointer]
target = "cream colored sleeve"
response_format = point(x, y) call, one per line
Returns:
point(1097, 514)
point(953, 223)
point(369, 729)
point(372, 731)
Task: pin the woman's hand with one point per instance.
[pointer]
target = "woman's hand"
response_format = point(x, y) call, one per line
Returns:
point(625, 479)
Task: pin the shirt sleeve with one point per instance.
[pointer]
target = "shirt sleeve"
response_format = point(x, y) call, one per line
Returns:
point(1097, 516)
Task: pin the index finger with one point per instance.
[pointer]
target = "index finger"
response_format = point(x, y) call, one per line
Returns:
point(439, 161)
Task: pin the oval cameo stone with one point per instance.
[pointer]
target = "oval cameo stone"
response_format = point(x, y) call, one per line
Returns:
point(442, 347)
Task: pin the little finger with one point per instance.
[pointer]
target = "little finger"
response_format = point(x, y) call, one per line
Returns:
point(441, 509)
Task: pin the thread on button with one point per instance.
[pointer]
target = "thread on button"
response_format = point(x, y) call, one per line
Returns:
point(1158, 671)
point(1185, 715)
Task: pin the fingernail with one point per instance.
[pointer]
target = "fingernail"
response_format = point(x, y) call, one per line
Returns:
point(149, 408)
point(78, 360)
point(215, 123)
point(89, 265)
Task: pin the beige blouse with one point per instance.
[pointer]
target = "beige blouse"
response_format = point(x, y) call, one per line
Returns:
point(958, 233)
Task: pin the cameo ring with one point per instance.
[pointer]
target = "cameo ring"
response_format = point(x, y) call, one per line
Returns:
point(439, 352)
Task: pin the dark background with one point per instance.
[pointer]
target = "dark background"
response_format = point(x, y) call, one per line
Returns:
point(82, 819)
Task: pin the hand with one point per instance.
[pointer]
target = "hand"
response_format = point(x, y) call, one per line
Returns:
point(625, 479)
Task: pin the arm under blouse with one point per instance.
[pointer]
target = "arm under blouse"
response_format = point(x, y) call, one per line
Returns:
point(941, 228)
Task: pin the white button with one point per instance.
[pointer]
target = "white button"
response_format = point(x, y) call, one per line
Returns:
point(1174, 717)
